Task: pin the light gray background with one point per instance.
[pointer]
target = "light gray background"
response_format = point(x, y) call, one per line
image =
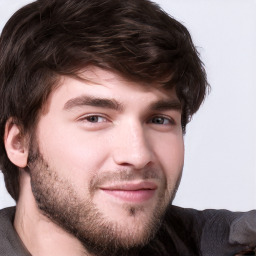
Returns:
point(220, 160)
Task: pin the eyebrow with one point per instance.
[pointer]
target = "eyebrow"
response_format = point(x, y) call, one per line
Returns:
point(84, 100)
point(94, 102)
point(162, 105)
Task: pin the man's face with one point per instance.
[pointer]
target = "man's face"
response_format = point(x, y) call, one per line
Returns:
point(108, 158)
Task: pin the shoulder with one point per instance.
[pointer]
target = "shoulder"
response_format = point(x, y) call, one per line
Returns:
point(216, 232)
point(10, 244)
point(6, 219)
point(190, 232)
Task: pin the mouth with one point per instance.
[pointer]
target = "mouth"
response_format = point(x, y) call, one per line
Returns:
point(131, 192)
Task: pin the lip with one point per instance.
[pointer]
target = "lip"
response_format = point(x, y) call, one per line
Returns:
point(131, 192)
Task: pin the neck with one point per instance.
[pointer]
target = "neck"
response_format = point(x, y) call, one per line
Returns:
point(38, 233)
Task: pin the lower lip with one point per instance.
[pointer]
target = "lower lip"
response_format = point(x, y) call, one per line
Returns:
point(133, 196)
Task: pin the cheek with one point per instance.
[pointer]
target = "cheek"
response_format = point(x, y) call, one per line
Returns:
point(170, 153)
point(72, 151)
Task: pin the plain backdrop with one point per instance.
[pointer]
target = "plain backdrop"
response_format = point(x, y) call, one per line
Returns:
point(220, 157)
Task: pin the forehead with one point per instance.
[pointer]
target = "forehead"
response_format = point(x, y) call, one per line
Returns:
point(102, 81)
point(99, 83)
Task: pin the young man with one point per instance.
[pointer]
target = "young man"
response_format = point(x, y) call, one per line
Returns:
point(96, 96)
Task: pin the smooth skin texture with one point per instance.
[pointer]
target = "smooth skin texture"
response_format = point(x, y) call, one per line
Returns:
point(107, 158)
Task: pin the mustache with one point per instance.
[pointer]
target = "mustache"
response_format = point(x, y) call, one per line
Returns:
point(105, 177)
point(108, 177)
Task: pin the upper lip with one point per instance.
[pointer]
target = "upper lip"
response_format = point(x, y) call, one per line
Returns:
point(131, 186)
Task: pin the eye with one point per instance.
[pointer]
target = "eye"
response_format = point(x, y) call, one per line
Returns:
point(94, 122)
point(93, 119)
point(161, 120)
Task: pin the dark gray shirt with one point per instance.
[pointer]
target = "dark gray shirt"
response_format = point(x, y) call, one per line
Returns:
point(188, 232)
point(185, 232)
point(10, 243)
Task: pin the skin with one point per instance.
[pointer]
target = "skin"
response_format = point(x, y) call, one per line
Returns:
point(120, 157)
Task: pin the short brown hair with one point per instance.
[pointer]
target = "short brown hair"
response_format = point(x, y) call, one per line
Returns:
point(49, 38)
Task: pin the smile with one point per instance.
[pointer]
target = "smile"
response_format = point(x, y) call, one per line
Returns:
point(131, 192)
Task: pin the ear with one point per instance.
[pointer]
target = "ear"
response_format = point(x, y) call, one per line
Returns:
point(16, 145)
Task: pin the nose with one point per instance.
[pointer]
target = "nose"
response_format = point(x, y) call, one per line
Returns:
point(132, 147)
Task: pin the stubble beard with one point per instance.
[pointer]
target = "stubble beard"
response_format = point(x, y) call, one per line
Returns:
point(58, 200)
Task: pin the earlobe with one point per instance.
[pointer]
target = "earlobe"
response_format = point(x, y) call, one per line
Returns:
point(15, 144)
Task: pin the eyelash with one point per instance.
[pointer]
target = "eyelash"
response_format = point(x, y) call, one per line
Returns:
point(169, 120)
point(87, 117)
point(164, 118)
